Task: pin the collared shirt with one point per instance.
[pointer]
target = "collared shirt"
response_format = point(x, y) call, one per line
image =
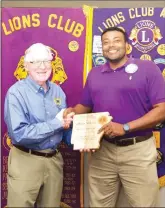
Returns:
point(30, 114)
point(125, 96)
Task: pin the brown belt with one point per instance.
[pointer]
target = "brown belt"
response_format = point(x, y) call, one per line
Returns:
point(128, 141)
point(33, 152)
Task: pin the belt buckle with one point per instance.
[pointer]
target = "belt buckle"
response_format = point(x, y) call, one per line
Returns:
point(115, 142)
point(46, 154)
point(134, 140)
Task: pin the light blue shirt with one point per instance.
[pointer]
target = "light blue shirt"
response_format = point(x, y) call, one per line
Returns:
point(30, 114)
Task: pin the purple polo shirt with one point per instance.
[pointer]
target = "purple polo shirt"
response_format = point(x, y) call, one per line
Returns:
point(125, 96)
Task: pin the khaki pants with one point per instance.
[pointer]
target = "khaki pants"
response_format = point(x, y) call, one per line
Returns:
point(33, 179)
point(134, 166)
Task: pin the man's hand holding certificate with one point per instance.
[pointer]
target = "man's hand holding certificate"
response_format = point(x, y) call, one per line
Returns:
point(85, 130)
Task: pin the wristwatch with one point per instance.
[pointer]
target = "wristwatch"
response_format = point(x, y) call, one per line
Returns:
point(126, 128)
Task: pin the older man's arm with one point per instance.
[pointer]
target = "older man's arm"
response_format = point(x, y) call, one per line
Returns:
point(21, 129)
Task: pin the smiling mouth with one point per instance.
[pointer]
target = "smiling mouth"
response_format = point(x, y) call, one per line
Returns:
point(41, 72)
point(112, 51)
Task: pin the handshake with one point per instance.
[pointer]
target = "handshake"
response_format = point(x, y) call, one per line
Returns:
point(66, 117)
point(88, 129)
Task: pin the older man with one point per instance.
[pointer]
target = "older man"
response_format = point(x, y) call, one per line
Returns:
point(33, 114)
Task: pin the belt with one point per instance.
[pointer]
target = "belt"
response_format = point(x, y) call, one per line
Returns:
point(128, 141)
point(33, 152)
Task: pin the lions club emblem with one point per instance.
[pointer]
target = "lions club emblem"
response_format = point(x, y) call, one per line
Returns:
point(145, 35)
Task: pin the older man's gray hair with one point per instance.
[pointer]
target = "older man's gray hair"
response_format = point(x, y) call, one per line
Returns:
point(38, 52)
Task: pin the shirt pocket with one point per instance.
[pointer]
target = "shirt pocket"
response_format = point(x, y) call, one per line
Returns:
point(53, 108)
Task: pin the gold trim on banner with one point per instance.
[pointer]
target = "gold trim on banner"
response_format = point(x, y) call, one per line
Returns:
point(162, 181)
point(88, 12)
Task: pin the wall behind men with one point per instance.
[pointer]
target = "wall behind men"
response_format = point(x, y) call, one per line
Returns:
point(100, 4)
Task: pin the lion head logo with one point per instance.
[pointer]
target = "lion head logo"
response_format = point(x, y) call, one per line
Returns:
point(58, 73)
point(7, 142)
point(133, 35)
point(157, 35)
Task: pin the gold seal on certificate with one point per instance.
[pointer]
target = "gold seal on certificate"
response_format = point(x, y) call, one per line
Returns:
point(85, 130)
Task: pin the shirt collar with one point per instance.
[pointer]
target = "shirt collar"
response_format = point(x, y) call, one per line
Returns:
point(106, 66)
point(36, 86)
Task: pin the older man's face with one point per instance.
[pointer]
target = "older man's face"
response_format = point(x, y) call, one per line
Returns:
point(39, 71)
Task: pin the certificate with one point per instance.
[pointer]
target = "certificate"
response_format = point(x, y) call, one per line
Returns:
point(85, 130)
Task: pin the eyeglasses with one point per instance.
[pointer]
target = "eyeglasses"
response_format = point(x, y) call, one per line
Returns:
point(38, 63)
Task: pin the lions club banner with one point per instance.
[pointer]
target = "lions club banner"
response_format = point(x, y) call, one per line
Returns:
point(146, 30)
point(63, 30)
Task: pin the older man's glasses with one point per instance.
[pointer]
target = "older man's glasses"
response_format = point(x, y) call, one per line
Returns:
point(39, 63)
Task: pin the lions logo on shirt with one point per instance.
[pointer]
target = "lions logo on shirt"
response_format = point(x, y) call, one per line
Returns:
point(57, 101)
